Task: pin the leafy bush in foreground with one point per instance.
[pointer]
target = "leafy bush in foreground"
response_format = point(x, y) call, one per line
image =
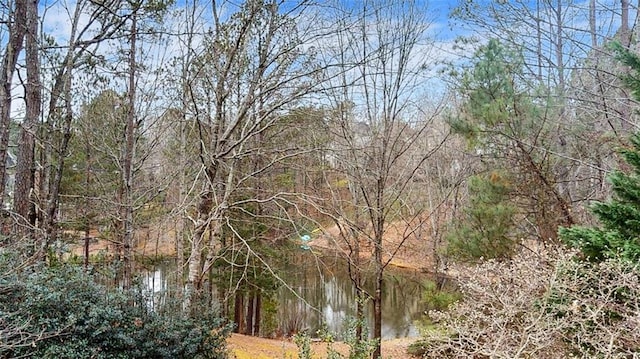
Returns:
point(63, 313)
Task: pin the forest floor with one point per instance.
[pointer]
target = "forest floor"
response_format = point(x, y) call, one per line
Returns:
point(415, 254)
point(247, 347)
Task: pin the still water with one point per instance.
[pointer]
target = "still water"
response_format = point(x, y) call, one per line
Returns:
point(317, 292)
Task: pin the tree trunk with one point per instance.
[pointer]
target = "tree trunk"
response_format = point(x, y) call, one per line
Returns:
point(354, 266)
point(539, 48)
point(17, 31)
point(592, 24)
point(379, 269)
point(126, 206)
point(195, 258)
point(238, 315)
point(257, 312)
point(179, 230)
point(560, 48)
point(360, 295)
point(250, 313)
point(625, 36)
point(377, 299)
point(54, 190)
point(25, 165)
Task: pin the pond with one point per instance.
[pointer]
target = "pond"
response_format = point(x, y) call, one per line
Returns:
point(318, 293)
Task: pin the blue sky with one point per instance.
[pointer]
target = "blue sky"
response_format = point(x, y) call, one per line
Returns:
point(443, 30)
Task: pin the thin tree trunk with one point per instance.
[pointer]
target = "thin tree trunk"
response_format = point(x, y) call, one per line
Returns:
point(87, 221)
point(126, 214)
point(181, 221)
point(560, 48)
point(195, 258)
point(250, 313)
point(379, 226)
point(257, 312)
point(377, 296)
point(592, 23)
point(625, 36)
point(539, 40)
point(62, 87)
point(360, 297)
point(355, 273)
point(178, 237)
point(54, 192)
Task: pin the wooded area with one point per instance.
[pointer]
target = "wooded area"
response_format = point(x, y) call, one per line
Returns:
point(230, 131)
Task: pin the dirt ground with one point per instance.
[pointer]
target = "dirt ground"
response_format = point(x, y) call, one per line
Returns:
point(246, 347)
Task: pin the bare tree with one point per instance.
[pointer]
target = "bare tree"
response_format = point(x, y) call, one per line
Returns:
point(130, 132)
point(250, 73)
point(377, 133)
point(78, 56)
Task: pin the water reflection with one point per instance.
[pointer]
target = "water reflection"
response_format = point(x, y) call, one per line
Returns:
point(323, 294)
point(318, 292)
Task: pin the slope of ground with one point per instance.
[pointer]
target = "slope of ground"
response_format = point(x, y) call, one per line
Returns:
point(405, 247)
point(246, 347)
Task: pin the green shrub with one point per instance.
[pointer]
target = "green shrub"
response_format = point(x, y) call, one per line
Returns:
point(435, 298)
point(303, 342)
point(62, 312)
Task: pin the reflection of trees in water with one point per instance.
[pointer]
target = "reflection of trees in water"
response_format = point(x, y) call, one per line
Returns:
point(330, 297)
point(324, 283)
point(401, 305)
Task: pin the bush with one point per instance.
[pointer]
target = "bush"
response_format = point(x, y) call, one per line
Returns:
point(63, 313)
point(435, 297)
point(545, 305)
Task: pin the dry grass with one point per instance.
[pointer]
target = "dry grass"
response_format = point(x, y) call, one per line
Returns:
point(246, 347)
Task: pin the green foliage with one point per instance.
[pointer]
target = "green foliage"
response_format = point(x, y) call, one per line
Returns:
point(620, 217)
point(269, 314)
point(303, 342)
point(435, 298)
point(359, 348)
point(485, 229)
point(506, 123)
point(419, 348)
point(631, 79)
point(328, 337)
point(62, 312)
point(494, 104)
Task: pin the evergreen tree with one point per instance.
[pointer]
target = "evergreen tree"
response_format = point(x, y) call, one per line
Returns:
point(485, 231)
point(510, 127)
point(619, 234)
